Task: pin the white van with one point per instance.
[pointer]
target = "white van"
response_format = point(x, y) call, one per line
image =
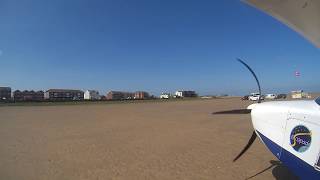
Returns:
point(255, 97)
point(271, 96)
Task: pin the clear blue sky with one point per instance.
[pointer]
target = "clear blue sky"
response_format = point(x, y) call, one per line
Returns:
point(152, 45)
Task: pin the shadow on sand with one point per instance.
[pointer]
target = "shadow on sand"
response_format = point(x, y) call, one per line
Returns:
point(279, 171)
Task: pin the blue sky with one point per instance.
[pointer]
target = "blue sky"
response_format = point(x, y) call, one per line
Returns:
point(152, 45)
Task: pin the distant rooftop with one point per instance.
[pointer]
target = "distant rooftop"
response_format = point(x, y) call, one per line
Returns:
point(5, 88)
point(63, 90)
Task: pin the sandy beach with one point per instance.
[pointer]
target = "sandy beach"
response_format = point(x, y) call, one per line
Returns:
point(156, 140)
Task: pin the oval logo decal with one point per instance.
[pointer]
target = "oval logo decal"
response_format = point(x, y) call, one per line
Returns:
point(300, 138)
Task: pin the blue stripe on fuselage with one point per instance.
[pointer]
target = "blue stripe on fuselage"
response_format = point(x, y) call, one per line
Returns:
point(295, 164)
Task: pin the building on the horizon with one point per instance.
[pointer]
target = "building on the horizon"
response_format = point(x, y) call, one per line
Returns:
point(5, 93)
point(64, 95)
point(119, 95)
point(28, 95)
point(181, 94)
point(91, 95)
point(298, 94)
point(141, 95)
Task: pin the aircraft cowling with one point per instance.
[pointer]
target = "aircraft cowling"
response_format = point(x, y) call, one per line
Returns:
point(269, 119)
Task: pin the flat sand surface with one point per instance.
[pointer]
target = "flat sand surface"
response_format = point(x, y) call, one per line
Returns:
point(158, 140)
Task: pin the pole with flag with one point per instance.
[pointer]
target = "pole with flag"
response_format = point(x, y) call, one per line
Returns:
point(297, 74)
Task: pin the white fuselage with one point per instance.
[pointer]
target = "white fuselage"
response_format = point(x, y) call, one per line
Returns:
point(278, 124)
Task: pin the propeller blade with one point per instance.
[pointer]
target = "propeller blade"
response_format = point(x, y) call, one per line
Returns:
point(251, 140)
point(254, 75)
point(235, 111)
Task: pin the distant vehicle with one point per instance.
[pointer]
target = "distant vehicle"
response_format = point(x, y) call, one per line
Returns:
point(255, 97)
point(165, 96)
point(270, 96)
point(246, 97)
point(281, 96)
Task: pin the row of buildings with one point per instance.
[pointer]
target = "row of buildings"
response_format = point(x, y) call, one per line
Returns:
point(6, 94)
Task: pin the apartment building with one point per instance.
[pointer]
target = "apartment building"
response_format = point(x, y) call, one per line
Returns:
point(119, 95)
point(91, 95)
point(64, 95)
point(141, 95)
point(5, 93)
point(28, 95)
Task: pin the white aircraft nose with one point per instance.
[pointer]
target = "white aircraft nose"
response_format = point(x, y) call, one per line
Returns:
point(269, 119)
point(257, 115)
point(252, 106)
